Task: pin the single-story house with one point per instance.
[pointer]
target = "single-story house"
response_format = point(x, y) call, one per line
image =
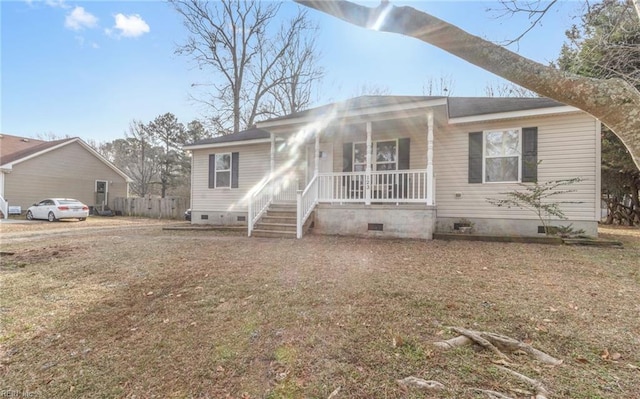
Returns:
point(31, 170)
point(399, 166)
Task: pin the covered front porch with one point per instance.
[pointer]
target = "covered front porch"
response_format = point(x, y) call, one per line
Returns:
point(385, 182)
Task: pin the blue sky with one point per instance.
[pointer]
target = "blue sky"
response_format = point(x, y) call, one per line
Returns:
point(87, 68)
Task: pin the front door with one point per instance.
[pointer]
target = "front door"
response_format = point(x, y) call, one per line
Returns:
point(325, 164)
point(102, 193)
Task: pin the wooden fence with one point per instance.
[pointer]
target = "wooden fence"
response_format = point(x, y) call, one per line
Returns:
point(160, 208)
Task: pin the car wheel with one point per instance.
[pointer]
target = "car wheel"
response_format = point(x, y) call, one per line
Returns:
point(83, 219)
point(51, 217)
point(29, 215)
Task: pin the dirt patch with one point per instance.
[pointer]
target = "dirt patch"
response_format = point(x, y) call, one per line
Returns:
point(152, 313)
point(34, 256)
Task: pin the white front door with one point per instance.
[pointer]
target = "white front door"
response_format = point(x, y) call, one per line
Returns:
point(325, 164)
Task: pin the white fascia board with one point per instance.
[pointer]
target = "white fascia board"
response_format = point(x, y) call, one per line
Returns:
point(226, 144)
point(515, 114)
point(356, 113)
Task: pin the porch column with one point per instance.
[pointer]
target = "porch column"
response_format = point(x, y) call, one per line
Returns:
point(317, 155)
point(367, 178)
point(430, 185)
point(272, 163)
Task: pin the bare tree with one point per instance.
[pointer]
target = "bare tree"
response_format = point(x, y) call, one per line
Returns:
point(442, 86)
point(299, 71)
point(234, 39)
point(614, 101)
point(371, 89)
point(136, 155)
point(505, 89)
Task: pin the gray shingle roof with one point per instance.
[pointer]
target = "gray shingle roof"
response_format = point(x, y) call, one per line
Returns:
point(249, 134)
point(473, 106)
point(458, 107)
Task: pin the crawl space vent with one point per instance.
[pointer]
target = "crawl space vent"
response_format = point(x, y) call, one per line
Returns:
point(375, 227)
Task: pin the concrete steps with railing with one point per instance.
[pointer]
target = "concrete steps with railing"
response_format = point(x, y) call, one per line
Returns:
point(279, 222)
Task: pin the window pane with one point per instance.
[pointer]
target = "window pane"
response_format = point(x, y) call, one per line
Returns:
point(511, 142)
point(386, 151)
point(503, 143)
point(223, 179)
point(223, 161)
point(493, 144)
point(501, 169)
point(359, 153)
point(359, 168)
point(386, 166)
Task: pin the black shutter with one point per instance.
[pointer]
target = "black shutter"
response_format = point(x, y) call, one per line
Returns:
point(404, 146)
point(475, 157)
point(212, 170)
point(235, 161)
point(347, 157)
point(529, 154)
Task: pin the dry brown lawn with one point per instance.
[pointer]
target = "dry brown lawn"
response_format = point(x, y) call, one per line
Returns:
point(102, 310)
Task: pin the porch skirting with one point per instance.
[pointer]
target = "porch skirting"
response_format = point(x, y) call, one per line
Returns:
point(388, 221)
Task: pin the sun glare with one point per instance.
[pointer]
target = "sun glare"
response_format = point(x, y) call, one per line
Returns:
point(381, 17)
point(286, 174)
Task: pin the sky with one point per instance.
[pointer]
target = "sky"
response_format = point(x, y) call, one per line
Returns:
point(88, 68)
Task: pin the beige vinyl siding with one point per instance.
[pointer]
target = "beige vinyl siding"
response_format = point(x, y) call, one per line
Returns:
point(566, 148)
point(70, 171)
point(254, 164)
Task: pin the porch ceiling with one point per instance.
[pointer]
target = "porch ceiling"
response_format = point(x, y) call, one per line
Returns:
point(414, 119)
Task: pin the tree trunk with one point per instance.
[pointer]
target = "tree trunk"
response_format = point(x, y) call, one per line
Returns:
point(613, 101)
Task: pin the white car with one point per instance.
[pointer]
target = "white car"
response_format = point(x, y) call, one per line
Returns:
point(54, 209)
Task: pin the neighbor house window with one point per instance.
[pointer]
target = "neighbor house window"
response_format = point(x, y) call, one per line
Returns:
point(223, 170)
point(385, 155)
point(502, 153)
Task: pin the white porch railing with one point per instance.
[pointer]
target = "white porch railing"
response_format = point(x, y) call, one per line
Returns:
point(281, 189)
point(4, 207)
point(306, 201)
point(394, 186)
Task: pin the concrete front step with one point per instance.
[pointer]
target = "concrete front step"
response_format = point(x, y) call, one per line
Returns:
point(279, 222)
point(279, 219)
point(273, 234)
point(276, 226)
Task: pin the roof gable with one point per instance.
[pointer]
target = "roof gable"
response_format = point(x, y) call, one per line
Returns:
point(14, 149)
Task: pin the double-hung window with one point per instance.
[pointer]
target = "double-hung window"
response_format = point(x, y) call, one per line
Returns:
point(384, 157)
point(502, 155)
point(223, 170)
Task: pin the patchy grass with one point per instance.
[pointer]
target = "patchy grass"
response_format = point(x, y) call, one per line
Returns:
point(137, 311)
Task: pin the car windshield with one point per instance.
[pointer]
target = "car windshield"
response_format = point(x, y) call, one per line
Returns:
point(68, 201)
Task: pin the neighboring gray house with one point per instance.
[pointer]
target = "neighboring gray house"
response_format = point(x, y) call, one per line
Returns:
point(398, 166)
point(31, 170)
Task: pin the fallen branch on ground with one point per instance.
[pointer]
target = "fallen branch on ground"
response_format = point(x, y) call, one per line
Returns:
point(492, 394)
point(541, 391)
point(498, 344)
point(420, 383)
